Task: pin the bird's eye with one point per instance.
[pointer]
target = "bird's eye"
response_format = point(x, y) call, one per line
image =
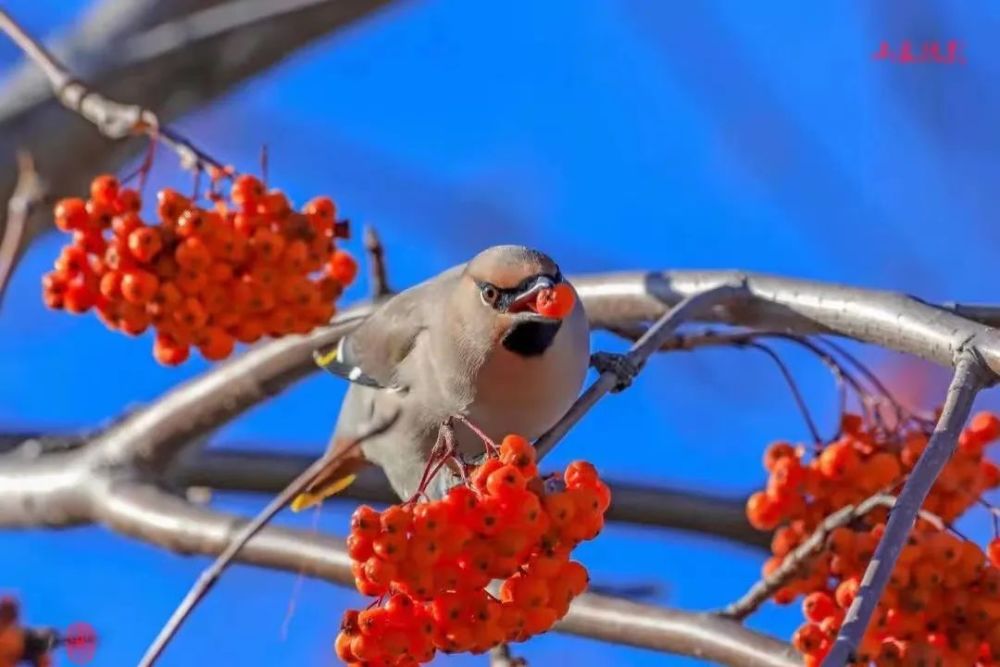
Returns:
point(489, 294)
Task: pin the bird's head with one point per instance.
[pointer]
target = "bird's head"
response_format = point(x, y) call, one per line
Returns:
point(498, 291)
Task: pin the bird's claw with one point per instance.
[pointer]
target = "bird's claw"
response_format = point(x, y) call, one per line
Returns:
point(621, 365)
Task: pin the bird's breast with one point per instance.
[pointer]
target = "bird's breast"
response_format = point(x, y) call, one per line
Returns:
point(516, 391)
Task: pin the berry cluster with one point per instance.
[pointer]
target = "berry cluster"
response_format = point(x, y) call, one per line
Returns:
point(434, 560)
point(942, 605)
point(209, 277)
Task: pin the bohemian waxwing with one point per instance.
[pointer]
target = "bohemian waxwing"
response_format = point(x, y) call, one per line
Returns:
point(466, 342)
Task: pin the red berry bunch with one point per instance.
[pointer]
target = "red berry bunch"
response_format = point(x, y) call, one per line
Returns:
point(433, 560)
point(942, 605)
point(208, 277)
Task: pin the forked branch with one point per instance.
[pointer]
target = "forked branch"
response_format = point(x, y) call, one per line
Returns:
point(970, 376)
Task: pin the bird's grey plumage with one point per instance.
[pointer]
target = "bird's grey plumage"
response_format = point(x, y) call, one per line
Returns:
point(439, 349)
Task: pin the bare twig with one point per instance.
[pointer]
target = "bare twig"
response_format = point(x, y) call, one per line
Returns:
point(793, 562)
point(113, 119)
point(501, 656)
point(170, 56)
point(376, 265)
point(969, 378)
point(800, 402)
point(212, 573)
point(28, 193)
point(689, 308)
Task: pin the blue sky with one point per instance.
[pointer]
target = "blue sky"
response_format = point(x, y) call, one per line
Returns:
point(614, 136)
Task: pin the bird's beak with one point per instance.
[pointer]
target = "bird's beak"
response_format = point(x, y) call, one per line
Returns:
point(525, 301)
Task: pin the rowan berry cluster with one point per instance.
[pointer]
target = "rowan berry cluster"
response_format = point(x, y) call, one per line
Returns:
point(942, 604)
point(210, 277)
point(430, 562)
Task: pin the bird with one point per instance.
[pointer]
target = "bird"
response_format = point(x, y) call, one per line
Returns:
point(465, 343)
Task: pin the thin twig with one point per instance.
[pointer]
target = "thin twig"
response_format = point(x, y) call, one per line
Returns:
point(113, 119)
point(794, 388)
point(793, 562)
point(691, 307)
point(969, 378)
point(212, 573)
point(501, 656)
point(29, 192)
point(376, 264)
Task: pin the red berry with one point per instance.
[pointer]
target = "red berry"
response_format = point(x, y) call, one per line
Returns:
point(71, 214)
point(342, 267)
point(104, 190)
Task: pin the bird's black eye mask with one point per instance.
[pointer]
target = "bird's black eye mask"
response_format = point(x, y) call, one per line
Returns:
point(501, 298)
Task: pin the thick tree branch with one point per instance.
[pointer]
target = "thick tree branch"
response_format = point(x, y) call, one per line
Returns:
point(153, 436)
point(887, 319)
point(154, 516)
point(703, 636)
point(658, 506)
point(106, 479)
point(970, 376)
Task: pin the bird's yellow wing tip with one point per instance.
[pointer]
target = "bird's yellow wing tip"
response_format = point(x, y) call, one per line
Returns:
point(324, 360)
point(307, 499)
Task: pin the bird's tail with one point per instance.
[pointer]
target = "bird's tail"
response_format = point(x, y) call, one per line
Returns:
point(330, 482)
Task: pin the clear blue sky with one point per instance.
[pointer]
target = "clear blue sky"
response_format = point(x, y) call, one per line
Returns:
point(614, 136)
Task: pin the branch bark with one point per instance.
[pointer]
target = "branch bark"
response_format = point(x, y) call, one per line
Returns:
point(970, 376)
point(28, 194)
point(151, 515)
point(656, 506)
point(212, 574)
point(109, 480)
point(762, 591)
point(689, 308)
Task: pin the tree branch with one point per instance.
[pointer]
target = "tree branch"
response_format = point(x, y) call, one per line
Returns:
point(501, 656)
point(688, 308)
point(887, 319)
point(29, 192)
point(153, 516)
point(657, 506)
point(762, 591)
point(212, 573)
point(970, 376)
point(153, 436)
point(107, 480)
point(703, 636)
point(169, 55)
point(376, 265)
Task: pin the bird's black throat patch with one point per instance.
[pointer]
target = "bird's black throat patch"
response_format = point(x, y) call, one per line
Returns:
point(531, 338)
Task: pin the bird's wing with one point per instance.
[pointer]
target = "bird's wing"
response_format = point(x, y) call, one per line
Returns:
point(371, 354)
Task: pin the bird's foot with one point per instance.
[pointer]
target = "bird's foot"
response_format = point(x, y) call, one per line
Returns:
point(621, 365)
